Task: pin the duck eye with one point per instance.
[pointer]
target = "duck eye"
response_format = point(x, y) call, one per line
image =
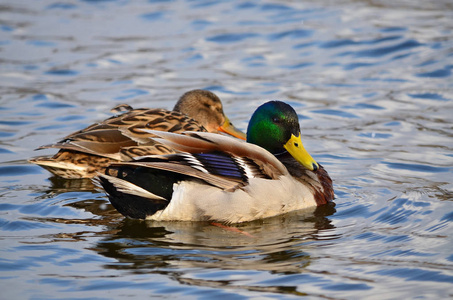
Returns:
point(275, 120)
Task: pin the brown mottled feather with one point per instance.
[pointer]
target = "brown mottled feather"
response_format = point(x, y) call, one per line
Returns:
point(153, 148)
point(121, 137)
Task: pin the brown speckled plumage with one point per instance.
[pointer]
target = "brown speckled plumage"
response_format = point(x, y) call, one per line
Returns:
point(86, 152)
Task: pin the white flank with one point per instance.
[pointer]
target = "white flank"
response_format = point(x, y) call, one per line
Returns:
point(262, 198)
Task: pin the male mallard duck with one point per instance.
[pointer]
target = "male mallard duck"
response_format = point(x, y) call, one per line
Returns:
point(219, 178)
point(119, 138)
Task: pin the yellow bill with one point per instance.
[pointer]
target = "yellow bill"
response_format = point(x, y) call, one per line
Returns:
point(296, 149)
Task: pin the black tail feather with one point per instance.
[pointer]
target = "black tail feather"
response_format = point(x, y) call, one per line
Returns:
point(134, 206)
point(131, 206)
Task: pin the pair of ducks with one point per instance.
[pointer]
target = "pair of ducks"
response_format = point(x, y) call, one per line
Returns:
point(174, 165)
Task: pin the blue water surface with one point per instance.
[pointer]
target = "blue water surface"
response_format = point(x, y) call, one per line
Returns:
point(371, 83)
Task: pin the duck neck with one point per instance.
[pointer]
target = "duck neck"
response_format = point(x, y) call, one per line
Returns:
point(318, 181)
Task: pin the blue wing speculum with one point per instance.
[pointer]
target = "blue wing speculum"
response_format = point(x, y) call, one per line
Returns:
point(215, 163)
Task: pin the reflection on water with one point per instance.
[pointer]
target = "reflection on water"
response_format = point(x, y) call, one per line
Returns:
point(179, 245)
point(61, 185)
point(370, 81)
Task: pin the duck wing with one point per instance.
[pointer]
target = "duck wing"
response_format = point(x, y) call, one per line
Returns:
point(122, 136)
point(221, 161)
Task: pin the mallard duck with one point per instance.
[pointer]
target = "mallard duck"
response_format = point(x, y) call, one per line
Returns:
point(222, 179)
point(120, 138)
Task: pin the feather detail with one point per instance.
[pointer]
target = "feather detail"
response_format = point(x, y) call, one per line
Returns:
point(218, 178)
point(154, 148)
point(121, 137)
point(126, 187)
point(188, 170)
point(202, 142)
point(73, 164)
point(121, 108)
point(319, 182)
point(216, 168)
point(326, 194)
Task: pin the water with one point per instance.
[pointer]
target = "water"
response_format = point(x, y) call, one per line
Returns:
point(370, 80)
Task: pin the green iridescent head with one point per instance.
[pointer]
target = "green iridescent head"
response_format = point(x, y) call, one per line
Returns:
point(275, 127)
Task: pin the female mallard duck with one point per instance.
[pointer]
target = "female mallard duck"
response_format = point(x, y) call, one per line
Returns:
point(86, 152)
point(218, 178)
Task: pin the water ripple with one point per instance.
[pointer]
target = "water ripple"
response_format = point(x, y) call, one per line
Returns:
point(412, 274)
point(154, 16)
point(62, 72)
point(372, 90)
point(440, 73)
point(337, 113)
point(348, 42)
point(387, 50)
point(60, 5)
point(18, 170)
point(429, 96)
point(54, 105)
point(294, 34)
point(131, 93)
point(417, 167)
point(22, 225)
point(231, 37)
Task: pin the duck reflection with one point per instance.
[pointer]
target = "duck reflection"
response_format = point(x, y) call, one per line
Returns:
point(278, 244)
point(62, 185)
point(181, 250)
